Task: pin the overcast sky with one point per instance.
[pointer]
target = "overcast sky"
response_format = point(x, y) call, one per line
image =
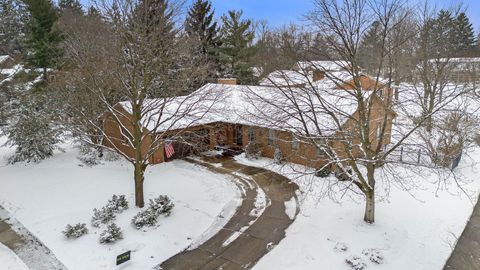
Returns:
point(279, 12)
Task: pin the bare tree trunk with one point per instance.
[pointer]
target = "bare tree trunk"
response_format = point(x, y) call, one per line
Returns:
point(139, 177)
point(369, 216)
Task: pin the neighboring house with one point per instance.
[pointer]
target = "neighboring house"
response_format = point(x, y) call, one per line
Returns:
point(305, 73)
point(461, 69)
point(326, 66)
point(240, 117)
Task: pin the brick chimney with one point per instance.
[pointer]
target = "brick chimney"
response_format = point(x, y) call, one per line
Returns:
point(318, 75)
point(231, 81)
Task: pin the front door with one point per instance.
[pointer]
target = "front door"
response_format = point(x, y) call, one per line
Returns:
point(238, 135)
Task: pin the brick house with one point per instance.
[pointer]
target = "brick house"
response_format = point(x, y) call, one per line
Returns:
point(232, 122)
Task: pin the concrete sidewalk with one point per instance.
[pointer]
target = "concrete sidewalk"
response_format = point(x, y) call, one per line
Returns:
point(255, 236)
point(466, 255)
point(31, 251)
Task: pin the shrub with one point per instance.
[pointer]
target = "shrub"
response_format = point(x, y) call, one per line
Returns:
point(76, 230)
point(88, 155)
point(102, 216)
point(278, 156)
point(117, 204)
point(253, 150)
point(373, 255)
point(355, 262)
point(342, 174)
point(144, 218)
point(111, 234)
point(162, 205)
point(325, 171)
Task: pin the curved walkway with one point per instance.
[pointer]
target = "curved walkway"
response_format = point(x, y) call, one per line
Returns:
point(245, 238)
point(466, 255)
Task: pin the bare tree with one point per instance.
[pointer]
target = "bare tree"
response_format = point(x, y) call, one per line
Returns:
point(348, 115)
point(125, 72)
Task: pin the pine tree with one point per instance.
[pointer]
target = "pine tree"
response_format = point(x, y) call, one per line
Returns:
point(370, 48)
point(201, 26)
point(202, 30)
point(237, 50)
point(13, 15)
point(31, 134)
point(464, 34)
point(43, 39)
point(72, 5)
point(443, 34)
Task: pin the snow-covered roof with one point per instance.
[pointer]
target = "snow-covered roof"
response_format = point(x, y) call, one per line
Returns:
point(336, 65)
point(262, 106)
point(286, 78)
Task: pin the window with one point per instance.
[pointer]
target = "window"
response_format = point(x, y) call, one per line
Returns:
point(251, 134)
point(295, 143)
point(271, 137)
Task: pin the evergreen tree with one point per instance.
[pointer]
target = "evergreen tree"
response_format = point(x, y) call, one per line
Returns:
point(202, 31)
point(31, 134)
point(444, 34)
point(370, 48)
point(464, 35)
point(43, 39)
point(201, 26)
point(157, 16)
point(237, 50)
point(72, 5)
point(93, 12)
point(13, 15)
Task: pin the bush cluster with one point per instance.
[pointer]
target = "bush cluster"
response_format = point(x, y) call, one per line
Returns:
point(76, 230)
point(111, 234)
point(161, 205)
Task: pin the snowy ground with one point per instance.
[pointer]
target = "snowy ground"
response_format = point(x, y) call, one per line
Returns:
point(45, 197)
point(412, 231)
point(9, 260)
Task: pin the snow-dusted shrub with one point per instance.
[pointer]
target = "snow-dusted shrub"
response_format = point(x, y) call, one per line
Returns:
point(253, 150)
point(88, 155)
point(325, 171)
point(117, 204)
point(109, 155)
point(373, 255)
point(76, 230)
point(162, 205)
point(144, 218)
point(278, 156)
point(340, 247)
point(102, 216)
point(355, 263)
point(342, 174)
point(111, 234)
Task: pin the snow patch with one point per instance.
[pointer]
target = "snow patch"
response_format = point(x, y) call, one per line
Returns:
point(9, 260)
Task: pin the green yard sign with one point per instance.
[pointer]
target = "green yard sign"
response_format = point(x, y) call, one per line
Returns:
point(124, 257)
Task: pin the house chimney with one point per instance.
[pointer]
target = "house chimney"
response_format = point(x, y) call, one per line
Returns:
point(230, 81)
point(318, 75)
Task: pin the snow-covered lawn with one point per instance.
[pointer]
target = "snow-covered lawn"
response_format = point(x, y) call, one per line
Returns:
point(9, 260)
point(411, 232)
point(45, 197)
